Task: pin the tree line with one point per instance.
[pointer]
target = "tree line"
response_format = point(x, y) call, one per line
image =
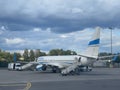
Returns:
point(31, 55)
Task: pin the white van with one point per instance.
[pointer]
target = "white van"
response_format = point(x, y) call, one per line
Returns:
point(14, 66)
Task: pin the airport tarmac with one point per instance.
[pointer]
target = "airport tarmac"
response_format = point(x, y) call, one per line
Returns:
point(99, 78)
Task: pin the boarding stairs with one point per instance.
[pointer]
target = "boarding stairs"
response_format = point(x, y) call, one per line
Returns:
point(28, 65)
point(72, 69)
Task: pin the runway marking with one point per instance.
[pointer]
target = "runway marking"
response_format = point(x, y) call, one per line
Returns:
point(28, 86)
point(5, 85)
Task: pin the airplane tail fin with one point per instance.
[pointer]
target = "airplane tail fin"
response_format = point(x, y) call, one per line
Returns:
point(93, 45)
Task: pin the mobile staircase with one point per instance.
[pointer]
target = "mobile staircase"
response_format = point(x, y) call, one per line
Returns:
point(72, 69)
point(28, 65)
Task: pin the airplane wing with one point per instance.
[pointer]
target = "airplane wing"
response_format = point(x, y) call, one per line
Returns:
point(55, 64)
point(59, 65)
point(92, 57)
point(108, 56)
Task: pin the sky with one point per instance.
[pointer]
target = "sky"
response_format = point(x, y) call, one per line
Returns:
point(63, 24)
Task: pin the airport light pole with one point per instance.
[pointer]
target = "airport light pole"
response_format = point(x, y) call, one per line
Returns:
point(111, 43)
point(111, 40)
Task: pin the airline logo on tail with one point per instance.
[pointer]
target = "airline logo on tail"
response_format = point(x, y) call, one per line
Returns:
point(96, 37)
point(94, 42)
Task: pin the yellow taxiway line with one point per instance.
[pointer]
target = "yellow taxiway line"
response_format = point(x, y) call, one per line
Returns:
point(26, 85)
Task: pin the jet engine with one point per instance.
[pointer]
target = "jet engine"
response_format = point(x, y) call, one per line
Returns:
point(41, 67)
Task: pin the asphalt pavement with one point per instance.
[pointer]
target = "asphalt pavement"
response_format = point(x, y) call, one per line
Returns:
point(98, 79)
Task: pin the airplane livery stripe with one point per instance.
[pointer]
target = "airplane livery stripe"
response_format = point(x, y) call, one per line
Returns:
point(96, 41)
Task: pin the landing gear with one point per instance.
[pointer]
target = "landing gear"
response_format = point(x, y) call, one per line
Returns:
point(55, 69)
point(76, 71)
point(88, 69)
point(85, 68)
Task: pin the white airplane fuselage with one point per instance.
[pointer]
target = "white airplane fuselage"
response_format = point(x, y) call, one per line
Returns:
point(64, 61)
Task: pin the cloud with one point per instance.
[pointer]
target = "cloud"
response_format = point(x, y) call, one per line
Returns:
point(2, 29)
point(59, 15)
point(46, 40)
point(66, 24)
point(63, 36)
point(14, 41)
point(37, 29)
point(117, 44)
point(77, 11)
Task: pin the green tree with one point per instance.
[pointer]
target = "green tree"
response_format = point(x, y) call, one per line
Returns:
point(43, 54)
point(61, 52)
point(53, 52)
point(68, 52)
point(73, 53)
point(105, 54)
point(5, 56)
point(18, 55)
point(26, 55)
point(32, 55)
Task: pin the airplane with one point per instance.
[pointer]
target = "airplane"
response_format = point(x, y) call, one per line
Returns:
point(67, 63)
point(114, 58)
point(111, 58)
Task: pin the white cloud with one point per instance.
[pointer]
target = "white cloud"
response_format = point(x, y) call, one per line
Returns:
point(116, 44)
point(47, 40)
point(61, 8)
point(14, 41)
point(48, 30)
point(2, 29)
point(16, 51)
point(77, 11)
point(63, 36)
point(37, 29)
point(69, 15)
